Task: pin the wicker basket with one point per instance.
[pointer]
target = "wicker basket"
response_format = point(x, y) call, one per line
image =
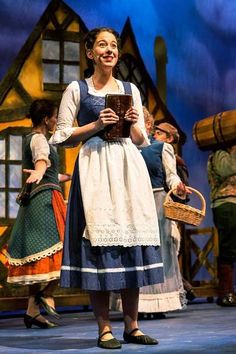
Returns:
point(182, 212)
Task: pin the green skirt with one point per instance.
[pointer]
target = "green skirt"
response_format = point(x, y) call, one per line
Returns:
point(34, 234)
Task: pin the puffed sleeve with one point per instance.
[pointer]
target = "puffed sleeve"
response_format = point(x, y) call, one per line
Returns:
point(224, 163)
point(40, 149)
point(169, 163)
point(138, 105)
point(67, 114)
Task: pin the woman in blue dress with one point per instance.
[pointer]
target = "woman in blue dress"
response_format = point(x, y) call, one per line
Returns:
point(112, 235)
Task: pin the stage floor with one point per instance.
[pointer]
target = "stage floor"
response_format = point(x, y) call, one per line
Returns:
point(200, 328)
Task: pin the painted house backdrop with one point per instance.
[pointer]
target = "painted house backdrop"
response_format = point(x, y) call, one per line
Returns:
point(200, 39)
point(198, 36)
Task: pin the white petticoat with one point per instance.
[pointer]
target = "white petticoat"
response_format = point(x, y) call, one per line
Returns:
point(176, 235)
point(117, 195)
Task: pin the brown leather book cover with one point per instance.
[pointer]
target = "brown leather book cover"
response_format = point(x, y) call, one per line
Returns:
point(119, 103)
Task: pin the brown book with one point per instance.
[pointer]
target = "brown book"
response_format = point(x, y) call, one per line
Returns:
point(119, 103)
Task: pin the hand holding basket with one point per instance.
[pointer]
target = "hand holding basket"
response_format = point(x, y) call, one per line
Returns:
point(182, 212)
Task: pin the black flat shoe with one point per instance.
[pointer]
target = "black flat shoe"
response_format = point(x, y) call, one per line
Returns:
point(229, 300)
point(141, 339)
point(190, 295)
point(159, 316)
point(112, 343)
point(40, 300)
point(30, 321)
point(151, 316)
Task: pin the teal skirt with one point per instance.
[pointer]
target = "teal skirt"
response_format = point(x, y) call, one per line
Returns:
point(34, 234)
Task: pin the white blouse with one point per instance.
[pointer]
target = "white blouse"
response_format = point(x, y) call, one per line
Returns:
point(40, 149)
point(70, 105)
point(169, 164)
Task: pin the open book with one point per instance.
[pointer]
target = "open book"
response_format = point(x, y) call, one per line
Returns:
point(119, 103)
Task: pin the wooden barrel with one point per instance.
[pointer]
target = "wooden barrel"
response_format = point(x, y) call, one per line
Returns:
point(216, 131)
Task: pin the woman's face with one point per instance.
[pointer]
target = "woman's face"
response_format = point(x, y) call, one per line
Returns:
point(105, 50)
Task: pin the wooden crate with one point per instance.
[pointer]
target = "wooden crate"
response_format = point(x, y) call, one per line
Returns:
point(199, 260)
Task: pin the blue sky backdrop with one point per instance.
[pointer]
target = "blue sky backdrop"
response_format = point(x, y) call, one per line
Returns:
point(200, 37)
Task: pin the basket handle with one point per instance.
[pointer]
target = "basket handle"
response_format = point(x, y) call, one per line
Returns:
point(203, 202)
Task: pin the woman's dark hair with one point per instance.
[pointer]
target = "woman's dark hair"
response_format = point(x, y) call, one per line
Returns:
point(89, 41)
point(91, 36)
point(40, 109)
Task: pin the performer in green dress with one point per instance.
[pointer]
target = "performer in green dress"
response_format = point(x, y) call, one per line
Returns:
point(35, 245)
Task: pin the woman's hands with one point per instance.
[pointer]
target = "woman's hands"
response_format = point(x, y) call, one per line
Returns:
point(64, 177)
point(106, 116)
point(136, 134)
point(35, 176)
point(132, 115)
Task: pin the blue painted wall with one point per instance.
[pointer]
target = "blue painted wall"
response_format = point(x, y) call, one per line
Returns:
point(200, 36)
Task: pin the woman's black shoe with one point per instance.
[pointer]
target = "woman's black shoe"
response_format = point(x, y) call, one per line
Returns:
point(159, 316)
point(30, 321)
point(112, 343)
point(151, 316)
point(190, 295)
point(229, 300)
point(40, 300)
point(141, 339)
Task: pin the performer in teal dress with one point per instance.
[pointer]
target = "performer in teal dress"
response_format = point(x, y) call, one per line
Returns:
point(36, 241)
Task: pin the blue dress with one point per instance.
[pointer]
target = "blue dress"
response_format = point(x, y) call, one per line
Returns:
point(106, 267)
